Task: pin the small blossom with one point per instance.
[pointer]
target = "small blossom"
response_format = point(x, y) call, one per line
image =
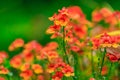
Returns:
point(57, 76)
point(52, 29)
point(16, 44)
point(16, 61)
point(33, 45)
point(40, 77)
point(68, 71)
point(26, 74)
point(52, 45)
point(112, 57)
point(75, 48)
point(1, 78)
point(3, 55)
point(92, 79)
point(3, 70)
point(37, 68)
point(104, 70)
point(29, 57)
point(105, 12)
point(25, 67)
point(51, 68)
point(52, 54)
point(96, 16)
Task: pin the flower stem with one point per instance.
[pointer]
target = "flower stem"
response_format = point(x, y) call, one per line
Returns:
point(64, 46)
point(92, 64)
point(76, 66)
point(103, 57)
point(109, 73)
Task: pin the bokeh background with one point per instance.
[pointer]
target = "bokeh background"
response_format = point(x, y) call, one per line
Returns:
point(28, 19)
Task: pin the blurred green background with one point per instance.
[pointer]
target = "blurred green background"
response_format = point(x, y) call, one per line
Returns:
point(28, 19)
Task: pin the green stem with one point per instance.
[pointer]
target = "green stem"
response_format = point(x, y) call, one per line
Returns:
point(76, 66)
point(109, 73)
point(92, 64)
point(103, 57)
point(64, 46)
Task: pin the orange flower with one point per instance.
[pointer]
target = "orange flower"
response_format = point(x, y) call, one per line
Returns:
point(51, 55)
point(33, 45)
point(1, 78)
point(3, 55)
point(105, 12)
point(96, 16)
point(28, 57)
point(61, 18)
point(92, 79)
point(112, 57)
point(16, 61)
point(1, 60)
point(111, 20)
point(51, 68)
point(60, 69)
point(104, 70)
point(69, 18)
point(96, 43)
point(106, 40)
point(26, 74)
point(75, 12)
point(55, 35)
point(52, 29)
point(68, 71)
point(117, 15)
point(52, 45)
point(40, 77)
point(80, 30)
point(101, 14)
point(74, 23)
point(57, 76)
point(25, 67)
point(3, 70)
point(109, 41)
point(37, 68)
point(16, 44)
point(107, 16)
point(75, 48)
point(41, 56)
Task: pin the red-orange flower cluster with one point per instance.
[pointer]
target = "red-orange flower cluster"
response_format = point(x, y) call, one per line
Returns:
point(105, 14)
point(33, 52)
point(16, 44)
point(60, 69)
point(3, 69)
point(74, 23)
point(105, 40)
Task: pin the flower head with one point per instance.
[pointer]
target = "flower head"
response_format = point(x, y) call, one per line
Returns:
point(106, 40)
point(3, 70)
point(112, 57)
point(26, 74)
point(16, 44)
point(37, 68)
point(16, 61)
point(3, 56)
point(57, 76)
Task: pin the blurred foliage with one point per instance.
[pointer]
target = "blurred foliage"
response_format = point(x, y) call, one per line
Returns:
point(28, 19)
